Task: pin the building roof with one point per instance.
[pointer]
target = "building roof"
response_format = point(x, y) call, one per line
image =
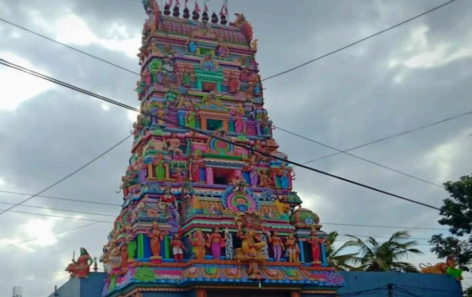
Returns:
point(416, 284)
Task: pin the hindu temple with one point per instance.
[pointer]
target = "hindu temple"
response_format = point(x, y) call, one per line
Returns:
point(201, 216)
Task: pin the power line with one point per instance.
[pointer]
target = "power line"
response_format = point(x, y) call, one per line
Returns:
point(357, 42)
point(386, 227)
point(60, 198)
point(111, 222)
point(57, 233)
point(339, 151)
point(324, 223)
point(251, 149)
point(67, 176)
point(68, 46)
point(267, 78)
point(380, 236)
point(391, 136)
point(57, 216)
point(60, 209)
point(360, 158)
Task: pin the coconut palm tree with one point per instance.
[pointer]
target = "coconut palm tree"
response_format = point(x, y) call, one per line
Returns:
point(335, 257)
point(375, 256)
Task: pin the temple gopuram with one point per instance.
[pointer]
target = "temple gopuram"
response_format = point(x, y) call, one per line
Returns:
point(204, 217)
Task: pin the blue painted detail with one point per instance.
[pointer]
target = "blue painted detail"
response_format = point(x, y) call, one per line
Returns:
point(202, 174)
point(324, 260)
point(302, 251)
point(147, 249)
point(246, 177)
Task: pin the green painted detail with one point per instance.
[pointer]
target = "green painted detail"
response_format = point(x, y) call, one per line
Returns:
point(112, 283)
point(145, 274)
point(222, 157)
point(209, 76)
point(290, 272)
point(132, 249)
point(294, 198)
point(167, 245)
point(231, 126)
point(140, 245)
point(211, 270)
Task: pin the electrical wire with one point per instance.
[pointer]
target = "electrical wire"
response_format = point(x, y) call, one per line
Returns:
point(392, 136)
point(114, 102)
point(67, 176)
point(111, 222)
point(429, 289)
point(360, 158)
point(368, 291)
point(324, 223)
point(357, 42)
point(68, 46)
point(60, 209)
point(60, 198)
point(57, 233)
point(166, 31)
point(267, 78)
point(58, 217)
point(387, 227)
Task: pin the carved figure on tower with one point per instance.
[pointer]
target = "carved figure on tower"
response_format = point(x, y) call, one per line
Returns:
point(315, 243)
point(215, 242)
point(81, 267)
point(203, 160)
point(252, 244)
point(178, 248)
point(277, 245)
point(198, 242)
point(293, 250)
point(156, 235)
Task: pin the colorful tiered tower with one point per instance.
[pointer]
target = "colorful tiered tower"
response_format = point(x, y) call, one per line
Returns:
point(199, 214)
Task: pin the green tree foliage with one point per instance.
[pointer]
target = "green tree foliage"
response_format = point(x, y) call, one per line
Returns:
point(375, 256)
point(459, 202)
point(336, 257)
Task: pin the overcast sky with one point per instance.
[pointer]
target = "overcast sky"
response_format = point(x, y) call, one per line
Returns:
point(408, 77)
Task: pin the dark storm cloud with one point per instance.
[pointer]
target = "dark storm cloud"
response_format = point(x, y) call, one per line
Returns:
point(344, 100)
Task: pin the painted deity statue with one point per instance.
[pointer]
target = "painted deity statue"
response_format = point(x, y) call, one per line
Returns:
point(233, 83)
point(286, 176)
point(315, 243)
point(131, 244)
point(81, 267)
point(160, 168)
point(208, 64)
point(178, 248)
point(156, 235)
point(195, 165)
point(170, 201)
point(215, 242)
point(174, 144)
point(293, 250)
point(142, 171)
point(452, 270)
point(265, 179)
point(239, 125)
point(277, 245)
point(190, 117)
point(198, 242)
point(251, 241)
point(282, 206)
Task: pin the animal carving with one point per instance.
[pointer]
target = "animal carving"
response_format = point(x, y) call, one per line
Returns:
point(439, 268)
point(254, 45)
point(72, 269)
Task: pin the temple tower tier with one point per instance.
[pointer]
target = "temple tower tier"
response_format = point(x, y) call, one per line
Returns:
point(200, 214)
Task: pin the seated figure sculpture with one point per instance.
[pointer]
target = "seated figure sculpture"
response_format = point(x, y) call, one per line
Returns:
point(81, 267)
point(252, 244)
